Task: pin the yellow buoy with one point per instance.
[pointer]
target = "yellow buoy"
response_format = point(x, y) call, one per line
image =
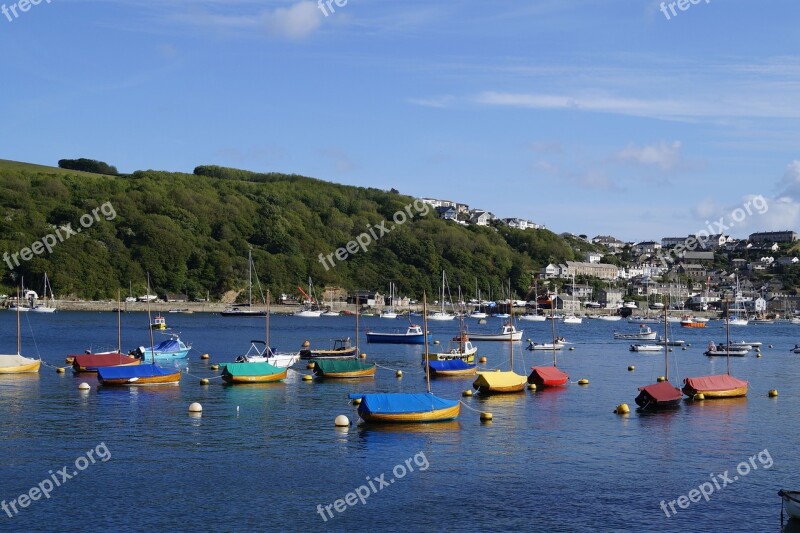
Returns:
point(203, 381)
point(84, 386)
point(773, 393)
point(204, 356)
point(357, 401)
point(195, 408)
point(532, 386)
point(758, 354)
point(622, 409)
point(466, 393)
point(631, 368)
point(306, 344)
point(214, 367)
point(661, 378)
point(486, 417)
point(399, 373)
point(435, 342)
point(341, 421)
point(482, 360)
point(583, 381)
point(699, 397)
point(527, 340)
point(311, 365)
point(306, 377)
point(363, 356)
point(60, 370)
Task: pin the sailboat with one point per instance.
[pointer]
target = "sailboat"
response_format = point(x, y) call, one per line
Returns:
point(90, 362)
point(403, 407)
point(345, 368)
point(719, 385)
point(535, 316)
point(453, 364)
point(311, 309)
point(330, 311)
point(478, 313)
point(571, 318)
point(144, 374)
point(502, 382)
point(17, 363)
point(442, 315)
point(236, 310)
point(737, 319)
point(549, 376)
point(49, 305)
point(267, 355)
point(390, 313)
point(660, 395)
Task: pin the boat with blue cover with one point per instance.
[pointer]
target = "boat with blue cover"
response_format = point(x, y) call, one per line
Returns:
point(167, 350)
point(412, 335)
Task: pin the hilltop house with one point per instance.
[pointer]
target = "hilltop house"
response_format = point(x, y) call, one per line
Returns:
point(447, 212)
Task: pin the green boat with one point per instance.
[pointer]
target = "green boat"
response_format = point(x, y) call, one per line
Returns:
point(343, 369)
point(252, 373)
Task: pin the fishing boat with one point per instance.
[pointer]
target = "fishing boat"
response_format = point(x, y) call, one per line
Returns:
point(692, 322)
point(508, 333)
point(246, 310)
point(398, 407)
point(145, 374)
point(342, 349)
point(548, 376)
point(662, 394)
point(790, 500)
point(644, 334)
point(501, 382)
point(159, 322)
point(17, 363)
point(670, 342)
point(720, 385)
point(412, 335)
point(166, 350)
point(89, 362)
point(546, 346)
point(459, 361)
point(49, 304)
point(246, 373)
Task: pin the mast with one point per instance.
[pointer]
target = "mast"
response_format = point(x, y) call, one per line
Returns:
point(119, 323)
point(267, 322)
point(511, 326)
point(666, 343)
point(250, 278)
point(728, 336)
point(553, 325)
point(358, 304)
point(149, 322)
point(425, 337)
point(19, 343)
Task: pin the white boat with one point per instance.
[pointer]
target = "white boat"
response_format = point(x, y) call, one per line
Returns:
point(572, 319)
point(646, 347)
point(796, 321)
point(670, 342)
point(509, 332)
point(16, 363)
point(48, 305)
point(721, 350)
point(644, 334)
point(390, 313)
point(740, 345)
point(532, 318)
point(311, 309)
point(739, 322)
point(331, 313)
point(266, 355)
point(548, 346)
point(309, 313)
point(478, 314)
point(440, 316)
point(610, 318)
point(630, 305)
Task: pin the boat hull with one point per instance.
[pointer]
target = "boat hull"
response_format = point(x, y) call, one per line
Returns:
point(24, 368)
point(516, 336)
point(89, 363)
point(436, 415)
point(396, 338)
point(311, 355)
point(547, 376)
point(791, 502)
point(270, 378)
point(167, 379)
point(499, 382)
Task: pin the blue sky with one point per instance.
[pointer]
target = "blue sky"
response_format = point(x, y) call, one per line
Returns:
point(595, 117)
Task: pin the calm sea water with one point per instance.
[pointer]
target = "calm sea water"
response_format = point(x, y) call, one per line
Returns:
point(264, 457)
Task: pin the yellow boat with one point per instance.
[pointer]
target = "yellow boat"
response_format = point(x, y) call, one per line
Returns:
point(159, 322)
point(500, 382)
point(444, 413)
point(16, 363)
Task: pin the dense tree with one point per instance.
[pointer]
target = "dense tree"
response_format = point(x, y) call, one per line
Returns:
point(88, 165)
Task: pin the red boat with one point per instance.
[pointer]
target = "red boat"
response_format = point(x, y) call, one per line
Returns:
point(547, 376)
point(90, 362)
point(662, 395)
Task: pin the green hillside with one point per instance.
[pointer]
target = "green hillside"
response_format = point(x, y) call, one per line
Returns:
point(191, 232)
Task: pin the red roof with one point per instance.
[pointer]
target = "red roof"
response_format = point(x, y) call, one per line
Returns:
point(662, 392)
point(721, 382)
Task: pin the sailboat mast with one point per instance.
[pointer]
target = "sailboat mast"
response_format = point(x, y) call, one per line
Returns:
point(728, 336)
point(511, 326)
point(358, 304)
point(553, 323)
point(666, 342)
point(425, 339)
point(150, 322)
point(266, 322)
point(250, 278)
point(119, 322)
point(19, 343)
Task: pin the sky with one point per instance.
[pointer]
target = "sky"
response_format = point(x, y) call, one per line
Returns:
point(588, 116)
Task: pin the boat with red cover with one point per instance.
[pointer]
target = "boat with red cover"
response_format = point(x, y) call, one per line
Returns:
point(720, 386)
point(90, 362)
point(662, 395)
point(547, 376)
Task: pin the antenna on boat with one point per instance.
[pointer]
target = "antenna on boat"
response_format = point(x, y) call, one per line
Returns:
point(425, 340)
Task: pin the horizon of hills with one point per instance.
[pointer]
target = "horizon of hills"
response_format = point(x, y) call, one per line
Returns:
point(192, 233)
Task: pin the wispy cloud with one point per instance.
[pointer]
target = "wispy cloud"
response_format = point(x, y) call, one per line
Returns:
point(665, 156)
point(437, 101)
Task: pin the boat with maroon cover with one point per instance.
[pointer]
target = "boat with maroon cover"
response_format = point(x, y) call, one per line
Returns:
point(662, 394)
point(549, 376)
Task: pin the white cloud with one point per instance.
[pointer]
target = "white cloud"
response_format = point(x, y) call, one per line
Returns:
point(295, 22)
point(436, 101)
point(790, 183)
point(665, 156)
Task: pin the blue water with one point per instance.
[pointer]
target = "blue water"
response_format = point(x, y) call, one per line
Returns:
point(264, 457)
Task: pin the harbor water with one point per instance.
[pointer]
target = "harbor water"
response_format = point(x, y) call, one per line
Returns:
point(268, 457)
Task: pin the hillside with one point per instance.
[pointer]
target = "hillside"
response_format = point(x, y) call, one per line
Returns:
point(191, 232)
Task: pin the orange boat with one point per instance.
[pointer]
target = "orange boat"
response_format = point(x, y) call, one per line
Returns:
point(690, 322)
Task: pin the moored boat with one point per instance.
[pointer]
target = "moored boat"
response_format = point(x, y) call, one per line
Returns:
point(646, 348)
point(662, 394)
point(343, 369)
point(502, 382)
point(17, 363)
point(159, 322)
point(791, 502)
point(244, 373)
point(342, 349)
point(166, 350)
point(644, 334)
point(508, 333)
point(412, 335)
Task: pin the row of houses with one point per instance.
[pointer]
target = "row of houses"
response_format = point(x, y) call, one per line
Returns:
point(462, 214)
